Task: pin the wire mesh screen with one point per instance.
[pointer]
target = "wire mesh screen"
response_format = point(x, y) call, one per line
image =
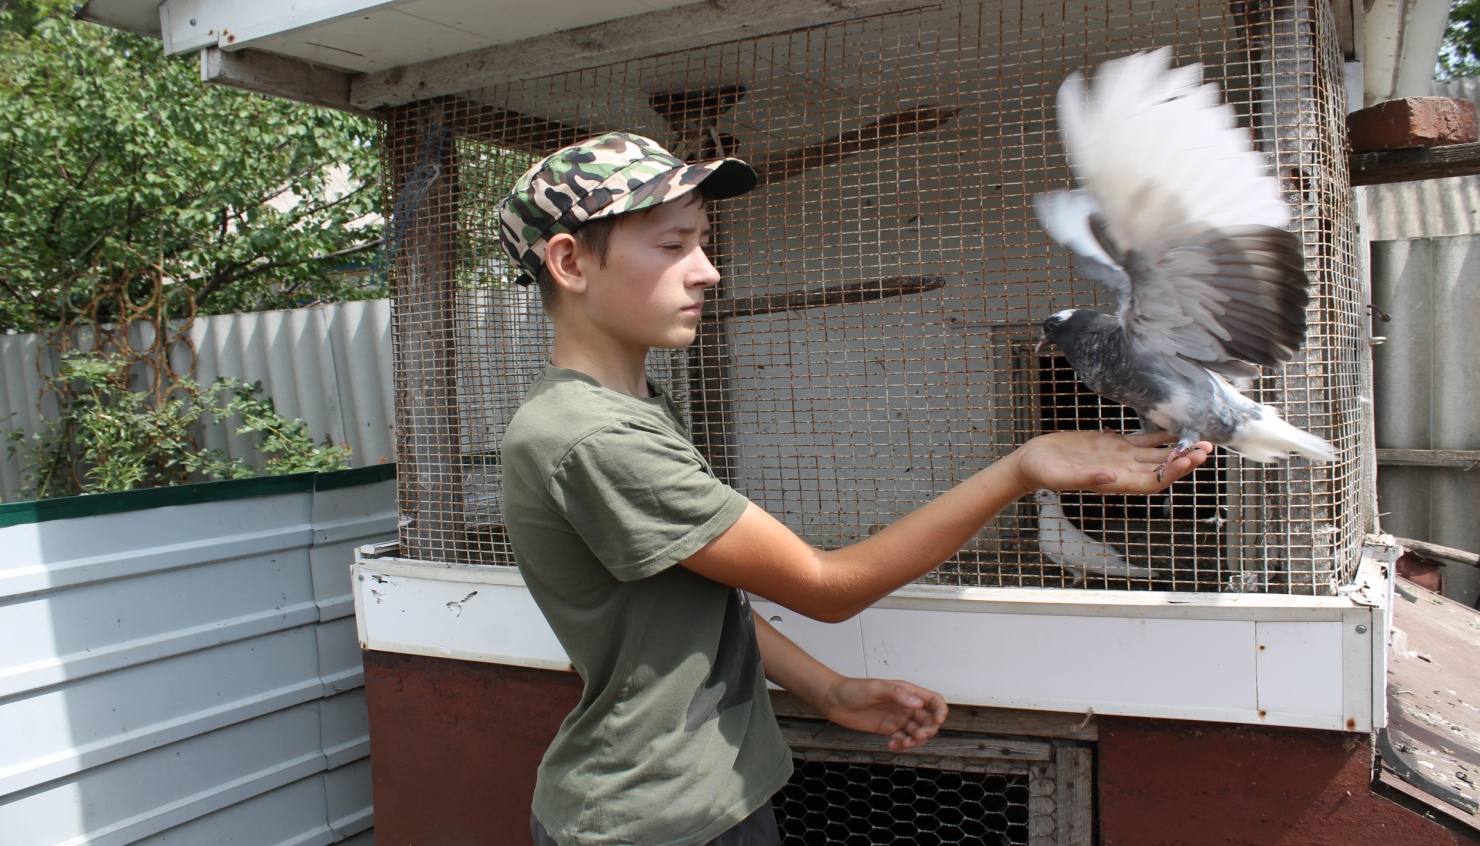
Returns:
point(966, 788)
point(872, 341)
point(873, 802)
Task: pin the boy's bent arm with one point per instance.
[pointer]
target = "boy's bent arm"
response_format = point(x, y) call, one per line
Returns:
point(760, 554)
point(909, 715)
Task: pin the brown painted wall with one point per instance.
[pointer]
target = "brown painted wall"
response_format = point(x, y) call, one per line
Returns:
point(455, 744)
point(1164, 782)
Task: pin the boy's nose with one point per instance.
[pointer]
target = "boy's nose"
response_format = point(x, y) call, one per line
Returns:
point(704, 273)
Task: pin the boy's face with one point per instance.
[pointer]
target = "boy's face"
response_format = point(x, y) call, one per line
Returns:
point(651, 291)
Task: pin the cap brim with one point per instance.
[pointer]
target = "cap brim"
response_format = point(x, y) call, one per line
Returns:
point(731, 178)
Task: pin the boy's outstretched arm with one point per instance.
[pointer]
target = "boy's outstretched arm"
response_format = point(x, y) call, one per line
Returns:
point(907, 714)
point(760, 554)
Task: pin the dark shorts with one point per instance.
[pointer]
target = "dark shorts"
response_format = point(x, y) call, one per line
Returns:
point(758, 829)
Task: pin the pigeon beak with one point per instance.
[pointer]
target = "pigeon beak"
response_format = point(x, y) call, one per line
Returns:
point(1042, 342)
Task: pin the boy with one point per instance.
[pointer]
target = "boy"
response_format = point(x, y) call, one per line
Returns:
point(640, 558)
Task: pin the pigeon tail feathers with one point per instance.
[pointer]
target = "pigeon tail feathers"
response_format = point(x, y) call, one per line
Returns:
point(1269, 438)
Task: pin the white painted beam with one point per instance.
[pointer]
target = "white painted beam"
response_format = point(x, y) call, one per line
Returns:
point(1401, 45)
point(639, 36)
point(187, 25)
point(1384, 41)
point(140, 17)
point(1423, 32)
point(1246, 658)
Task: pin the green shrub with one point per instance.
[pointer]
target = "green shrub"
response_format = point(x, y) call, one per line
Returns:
point(111, 438)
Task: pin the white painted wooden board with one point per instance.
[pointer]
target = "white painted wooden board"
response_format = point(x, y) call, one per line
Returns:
point(1067, 663)
point(1180, 656)
point(1299, 667)
point(474, 613)
point(364, 35)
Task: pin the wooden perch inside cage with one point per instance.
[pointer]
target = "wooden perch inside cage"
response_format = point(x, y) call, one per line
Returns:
point(871, 136)
point(830, 295)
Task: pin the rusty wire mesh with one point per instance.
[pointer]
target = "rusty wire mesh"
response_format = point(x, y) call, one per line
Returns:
point(871, 344)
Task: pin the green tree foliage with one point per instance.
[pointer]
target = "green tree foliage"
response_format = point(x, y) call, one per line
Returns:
point(1459, 56)
point(113, 438)
point(117, 164)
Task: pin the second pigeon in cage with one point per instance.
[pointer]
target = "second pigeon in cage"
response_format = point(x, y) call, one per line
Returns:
point(1066, 545)
point(1179, 218)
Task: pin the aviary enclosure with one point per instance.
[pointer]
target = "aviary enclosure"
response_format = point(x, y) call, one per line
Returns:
point(872, 342)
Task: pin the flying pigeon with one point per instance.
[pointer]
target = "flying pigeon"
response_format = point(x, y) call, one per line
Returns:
point(1068, 547)
point(1179, 218)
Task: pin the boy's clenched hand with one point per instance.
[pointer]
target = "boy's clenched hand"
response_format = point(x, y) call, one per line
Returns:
point(907, 714)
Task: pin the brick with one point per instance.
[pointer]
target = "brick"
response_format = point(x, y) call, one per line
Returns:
point(1412, 122)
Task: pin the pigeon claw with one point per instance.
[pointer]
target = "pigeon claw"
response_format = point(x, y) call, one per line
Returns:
point(1172, 455)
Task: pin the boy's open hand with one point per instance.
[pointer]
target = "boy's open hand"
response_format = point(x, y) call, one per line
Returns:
point(907, 714)
point(1101, 461)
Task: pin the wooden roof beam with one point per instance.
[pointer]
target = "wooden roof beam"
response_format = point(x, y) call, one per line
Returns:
point(636, 37)
point(277, 76)
point(1412, 165)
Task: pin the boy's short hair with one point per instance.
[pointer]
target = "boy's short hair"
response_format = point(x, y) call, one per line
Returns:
point(600, 177)
point(595, 237)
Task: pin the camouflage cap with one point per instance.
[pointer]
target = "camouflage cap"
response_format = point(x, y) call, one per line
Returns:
point(599, 177)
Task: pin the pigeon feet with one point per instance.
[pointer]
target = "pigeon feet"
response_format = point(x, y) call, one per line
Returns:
point(1173, 454)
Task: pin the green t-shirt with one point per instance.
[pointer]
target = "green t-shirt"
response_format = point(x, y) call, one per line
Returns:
point(673, 741)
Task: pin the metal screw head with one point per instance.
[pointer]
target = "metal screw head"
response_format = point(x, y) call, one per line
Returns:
point(1361, 629)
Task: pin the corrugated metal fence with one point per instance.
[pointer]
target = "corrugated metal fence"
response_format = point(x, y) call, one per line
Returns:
point(328, 365)
point(181, 665)
point(1427, 387)
point(1425, 269)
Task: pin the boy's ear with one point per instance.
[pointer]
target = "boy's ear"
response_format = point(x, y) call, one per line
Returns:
point(562, 260)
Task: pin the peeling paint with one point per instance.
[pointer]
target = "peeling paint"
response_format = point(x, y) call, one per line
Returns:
point(456, 606)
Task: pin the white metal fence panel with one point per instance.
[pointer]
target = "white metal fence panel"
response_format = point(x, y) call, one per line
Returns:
point(328, 365)
point(181, 665)
point(20, 391)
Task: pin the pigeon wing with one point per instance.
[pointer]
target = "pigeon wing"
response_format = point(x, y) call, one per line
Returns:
point(1183, 220)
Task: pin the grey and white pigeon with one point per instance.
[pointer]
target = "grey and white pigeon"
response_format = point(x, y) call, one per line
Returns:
point(1065, 545)
point(1178, 217)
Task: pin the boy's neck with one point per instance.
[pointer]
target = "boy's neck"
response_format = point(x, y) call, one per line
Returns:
point(623, 372)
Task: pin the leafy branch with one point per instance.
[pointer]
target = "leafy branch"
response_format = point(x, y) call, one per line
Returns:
point(111, 438)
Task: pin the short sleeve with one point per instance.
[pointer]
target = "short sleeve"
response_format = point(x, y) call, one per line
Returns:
point(642, 498)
